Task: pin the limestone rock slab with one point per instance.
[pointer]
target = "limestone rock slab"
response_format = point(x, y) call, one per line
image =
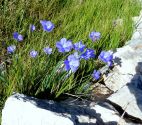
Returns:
point(129, 98)
point(18, 111)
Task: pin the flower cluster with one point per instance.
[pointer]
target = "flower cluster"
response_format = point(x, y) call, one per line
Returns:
point(47, 26)
point(63, 45)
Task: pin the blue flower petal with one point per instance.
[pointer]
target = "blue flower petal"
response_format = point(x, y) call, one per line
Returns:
point(67, 66)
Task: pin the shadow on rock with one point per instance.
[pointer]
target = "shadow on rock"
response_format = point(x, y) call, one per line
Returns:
point(74, 111)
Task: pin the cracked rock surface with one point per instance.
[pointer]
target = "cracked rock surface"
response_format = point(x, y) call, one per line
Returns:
point(23, 110)
point(125, 80)
point(128, 61)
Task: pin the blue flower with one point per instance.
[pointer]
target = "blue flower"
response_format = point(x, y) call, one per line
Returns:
point(72, 63)
point(11, 49)
point(95, 36)
point(47, 25)
point(89, 53)
point(96, 74)
point(17, 36)
point(47, 50)
point(106, 57)
point(33, 53)
point(32, 27)
point(64, 45)
point(79, 46)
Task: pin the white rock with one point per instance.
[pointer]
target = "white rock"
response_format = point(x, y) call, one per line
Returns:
point(137, 34)
point(126, 60)
point(24, 110)
point(106, 114)
point(130, 99)
point(18, 111)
